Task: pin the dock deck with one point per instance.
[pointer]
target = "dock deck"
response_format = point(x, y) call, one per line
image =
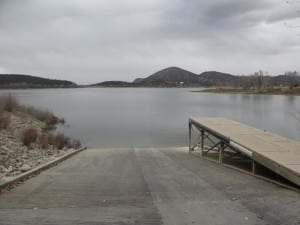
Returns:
point(279, 154)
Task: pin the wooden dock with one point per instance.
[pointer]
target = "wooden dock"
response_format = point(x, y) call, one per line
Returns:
point(279, 154)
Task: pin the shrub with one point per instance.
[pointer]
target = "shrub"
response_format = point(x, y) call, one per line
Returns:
point(43, 115)
point(9, 103)
point(61, 141)
point(29, 135)
point(75, 144)
point(51, 138)
point(2, 105)
point(44, 141)
point(58, 140)
point(4, 121)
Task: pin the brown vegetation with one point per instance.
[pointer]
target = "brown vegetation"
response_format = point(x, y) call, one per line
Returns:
point(44, 141)
point(29, 135)
point(43, 115)
point(4, 117)
point(4, 121)
point(58, 141)
point(9, 103)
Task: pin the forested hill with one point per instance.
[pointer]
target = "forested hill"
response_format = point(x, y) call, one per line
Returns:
point(28, 81)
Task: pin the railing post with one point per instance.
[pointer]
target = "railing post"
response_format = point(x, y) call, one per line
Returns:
point(254, 167)
point(202, 142)
point(190, 136)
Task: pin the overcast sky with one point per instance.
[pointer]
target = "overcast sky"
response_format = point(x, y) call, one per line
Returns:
point(90, 41)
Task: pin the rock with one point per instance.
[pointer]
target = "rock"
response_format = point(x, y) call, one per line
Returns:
point(9, 169)
point(39, 161)
point(5, 148)
point(2, 169)
point(16, 173)
point(25, 168)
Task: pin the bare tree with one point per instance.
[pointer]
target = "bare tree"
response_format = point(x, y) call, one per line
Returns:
point(291, 78)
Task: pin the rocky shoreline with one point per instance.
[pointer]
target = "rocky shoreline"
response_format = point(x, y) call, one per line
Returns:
point(15, 157)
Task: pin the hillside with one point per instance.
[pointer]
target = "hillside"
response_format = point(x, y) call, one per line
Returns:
point(177, 77)
point(113, 84)
point(169, 76)
point(214, 78)
point(28, 81)
point(174, 76)
point(282, 79)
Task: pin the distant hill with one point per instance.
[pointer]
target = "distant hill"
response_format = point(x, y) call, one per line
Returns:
point(214, 78)
point(169, 76)
point(113, 84)
point(177, 77)
point(282, 80)
point(28, 81)
point(174, 76)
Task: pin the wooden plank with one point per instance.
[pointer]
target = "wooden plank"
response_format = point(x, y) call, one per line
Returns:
point(279, 154)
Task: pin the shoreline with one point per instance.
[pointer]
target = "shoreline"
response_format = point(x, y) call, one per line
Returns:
point(28, 139)
point(274, 91)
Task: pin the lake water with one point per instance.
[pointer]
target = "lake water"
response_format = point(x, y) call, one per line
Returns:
point(145, 117)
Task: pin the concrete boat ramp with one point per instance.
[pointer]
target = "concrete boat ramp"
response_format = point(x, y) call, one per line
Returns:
point(146, 186)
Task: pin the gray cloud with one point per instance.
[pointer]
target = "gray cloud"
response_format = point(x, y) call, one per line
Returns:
point(90, 41)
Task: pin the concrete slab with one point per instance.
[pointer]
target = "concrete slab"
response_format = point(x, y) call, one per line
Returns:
point(146, 186)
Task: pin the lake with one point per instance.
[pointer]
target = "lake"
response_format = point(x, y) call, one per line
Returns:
point(145, 117)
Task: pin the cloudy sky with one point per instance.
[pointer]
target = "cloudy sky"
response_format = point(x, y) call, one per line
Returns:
point(95, 40)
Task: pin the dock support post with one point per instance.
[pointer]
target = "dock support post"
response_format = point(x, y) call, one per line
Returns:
point(202, 142)
point(190, 136)
point(254, 167)
point(221, 152)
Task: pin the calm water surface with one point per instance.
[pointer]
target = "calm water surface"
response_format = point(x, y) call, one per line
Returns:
point(145, 117)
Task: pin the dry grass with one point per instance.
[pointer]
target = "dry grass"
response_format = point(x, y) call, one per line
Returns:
point(4, 121)
point(44, 141)
point(4, 118)
point(61, 141)
point(58, 141)
point(8, 103)
point(29, 135)
point(2, 105)
point(43, 115)
point(76, 144)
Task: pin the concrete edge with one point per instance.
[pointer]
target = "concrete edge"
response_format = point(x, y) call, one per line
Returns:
point(40, 168)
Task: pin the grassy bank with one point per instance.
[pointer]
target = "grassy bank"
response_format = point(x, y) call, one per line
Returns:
point(270, 91)
point(27, 137)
